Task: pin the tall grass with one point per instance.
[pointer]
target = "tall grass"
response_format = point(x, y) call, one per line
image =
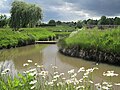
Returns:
point(107, 40)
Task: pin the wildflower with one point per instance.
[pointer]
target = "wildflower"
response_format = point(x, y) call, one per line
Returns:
point(32, 70)
point(55, 67)
point(109, 85)
point(35, 64)
point(85, 76)
point(50, 83)
point(29, 61)
point(71, 71)
point(33, 82)
point(56, 76)
point(105, 87)
point(110, 74)
point(40, 66)
point(55, 72)
point(74, 75)
point(5, 71)
point(91, 81)
point(80, 87)
point(26, 64)
point(44, 73)
point(105, 83)
point(59, 83)
point(32, 87)
point(61, 74)
point(117, 84)
point(98, 86)
point(82, 69)
point(32, 73)
point(81, 80)
point(54, 80)
point(63, 78)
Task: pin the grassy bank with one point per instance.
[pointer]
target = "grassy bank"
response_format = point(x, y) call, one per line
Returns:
point(25, 36)
point(104, 40)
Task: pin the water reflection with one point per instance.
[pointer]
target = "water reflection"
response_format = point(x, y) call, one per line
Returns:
point(48, 54)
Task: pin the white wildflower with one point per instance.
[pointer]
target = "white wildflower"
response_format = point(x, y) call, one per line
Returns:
point(25, 64)
point(71, 71)
point(33, 82)
point(80, 87)
point(105, 87)
point(32, 87)
point(82, 69)
point(29, 61)
point(117, 84)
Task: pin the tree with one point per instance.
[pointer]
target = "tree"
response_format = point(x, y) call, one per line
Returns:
point(3, 21)
point(58, 22)
point(52, 23)
point(102, 21)
point(23, 15)
point(117, 21)
point(79, 24)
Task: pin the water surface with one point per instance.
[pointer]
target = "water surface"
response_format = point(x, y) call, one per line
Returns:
point(47, 55)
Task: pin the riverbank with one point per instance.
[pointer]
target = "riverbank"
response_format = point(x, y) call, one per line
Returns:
point(27, 36)
point(93, 44)
point(23, 37)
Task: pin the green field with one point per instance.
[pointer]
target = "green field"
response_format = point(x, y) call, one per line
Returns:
point(9, 38)
point(107, 40)
point(26, 36)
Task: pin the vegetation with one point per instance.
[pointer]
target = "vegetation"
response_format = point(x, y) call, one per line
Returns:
point(3, 21)
point(38, 78)
point(25, 36)
point(23, 15)
point(106, 41)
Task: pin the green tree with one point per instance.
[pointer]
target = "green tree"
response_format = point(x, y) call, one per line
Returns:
point(3, 21)
point(117, 21)
point(52, 22)
point(79, 24)
point(23, 15)
point(58, 22)
point(102, 21)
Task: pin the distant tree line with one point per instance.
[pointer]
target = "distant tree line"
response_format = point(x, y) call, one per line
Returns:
point(79, 24)
point(30, 15)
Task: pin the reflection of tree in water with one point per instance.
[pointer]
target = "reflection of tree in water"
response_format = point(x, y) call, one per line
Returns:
point(8, 65)
point(22, 54)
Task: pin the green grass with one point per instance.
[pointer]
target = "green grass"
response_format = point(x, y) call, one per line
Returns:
point(105, 40)
point(9, 38)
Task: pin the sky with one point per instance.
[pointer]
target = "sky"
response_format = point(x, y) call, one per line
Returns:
point(70, 10)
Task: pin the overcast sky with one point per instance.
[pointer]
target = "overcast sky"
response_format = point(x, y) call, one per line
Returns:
point(70, 10)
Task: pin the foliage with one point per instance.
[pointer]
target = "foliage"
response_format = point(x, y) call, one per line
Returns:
point(79, 24)
point(3, 21)
point(107, 40)
point(25, 36)
point(52, 22)
point(23, 15)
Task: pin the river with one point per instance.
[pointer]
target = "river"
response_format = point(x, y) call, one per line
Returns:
point(48, 54)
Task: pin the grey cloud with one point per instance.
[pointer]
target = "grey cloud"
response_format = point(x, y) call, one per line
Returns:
point(99, 7)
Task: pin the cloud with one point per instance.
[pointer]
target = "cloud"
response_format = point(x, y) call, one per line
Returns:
point(71, 10)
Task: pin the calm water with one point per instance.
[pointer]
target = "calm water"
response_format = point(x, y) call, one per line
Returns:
point(47, 55)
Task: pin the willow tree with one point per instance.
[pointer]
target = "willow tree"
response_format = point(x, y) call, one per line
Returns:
point(24, 14)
